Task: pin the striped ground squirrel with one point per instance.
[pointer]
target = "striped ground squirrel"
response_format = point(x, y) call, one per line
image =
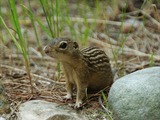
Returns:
point(87, 69)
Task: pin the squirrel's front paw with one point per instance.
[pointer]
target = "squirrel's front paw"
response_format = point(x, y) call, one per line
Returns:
point(68, 97)
point(78, 104)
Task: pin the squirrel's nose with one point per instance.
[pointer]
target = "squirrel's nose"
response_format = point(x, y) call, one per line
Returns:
point(46, 49)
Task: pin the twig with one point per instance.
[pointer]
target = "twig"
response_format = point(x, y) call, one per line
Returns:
point(34, 75)
point(105, 109)
point(16, 56)
point(90, 20)
point(154, 21)
point(127, 51)
point(14, 110)
point(151, 18)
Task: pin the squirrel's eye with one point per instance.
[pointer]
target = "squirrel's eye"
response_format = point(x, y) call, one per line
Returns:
point(63, 45)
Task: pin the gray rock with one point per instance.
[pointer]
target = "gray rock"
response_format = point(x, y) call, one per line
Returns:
point(43, 110)
point(136, 96)
point(2, 118)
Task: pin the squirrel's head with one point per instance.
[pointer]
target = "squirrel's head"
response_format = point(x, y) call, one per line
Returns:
point(62, 48)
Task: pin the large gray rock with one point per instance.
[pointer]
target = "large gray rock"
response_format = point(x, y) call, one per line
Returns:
point(43, 110)
point(136, 96)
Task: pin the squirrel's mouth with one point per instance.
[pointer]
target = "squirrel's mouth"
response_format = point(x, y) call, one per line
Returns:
point(49, 52)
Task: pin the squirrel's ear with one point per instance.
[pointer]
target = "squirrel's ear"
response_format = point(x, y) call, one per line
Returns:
point(75, 45)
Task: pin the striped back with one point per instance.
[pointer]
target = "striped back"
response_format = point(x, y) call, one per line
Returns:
point(95, 58)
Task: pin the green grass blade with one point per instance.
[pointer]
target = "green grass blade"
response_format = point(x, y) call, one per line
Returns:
point(43, 27)
point(152, 59)
point(57, 21)
point(1, 34)
point(13, 38)
point(30, 13)
point(104, 98)
point(21, 43)
point(46, 15)
point(17, 27)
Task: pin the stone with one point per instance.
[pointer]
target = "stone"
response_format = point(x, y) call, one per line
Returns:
point(136, 96)
point(43, 110)
point(1, 118)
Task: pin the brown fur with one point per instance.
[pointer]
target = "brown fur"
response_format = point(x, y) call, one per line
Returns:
point(88, 69)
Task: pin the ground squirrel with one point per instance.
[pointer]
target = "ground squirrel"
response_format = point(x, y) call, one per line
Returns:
point(88, 69)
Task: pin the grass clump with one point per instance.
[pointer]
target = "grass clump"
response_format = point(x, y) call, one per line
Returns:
point(21, 42)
